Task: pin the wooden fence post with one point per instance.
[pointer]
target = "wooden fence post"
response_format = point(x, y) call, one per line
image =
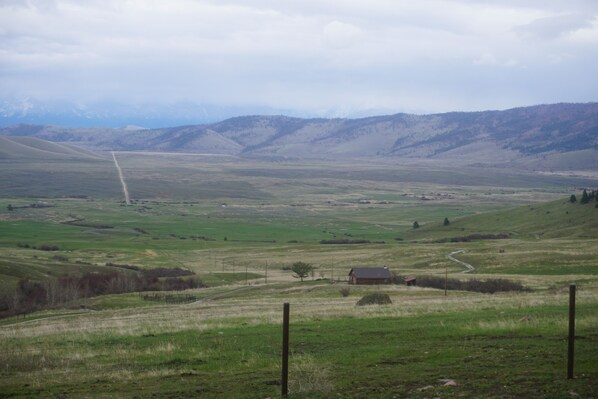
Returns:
point(571, 346)
point(285, 351)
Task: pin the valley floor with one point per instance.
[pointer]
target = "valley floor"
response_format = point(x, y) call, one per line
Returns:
point(238, 225)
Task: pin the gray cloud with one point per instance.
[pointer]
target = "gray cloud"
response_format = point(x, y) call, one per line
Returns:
point(556, 26)
point(311, 56)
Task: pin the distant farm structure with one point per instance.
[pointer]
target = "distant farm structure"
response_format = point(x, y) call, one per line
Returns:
point(410, 280)
point(370, 275)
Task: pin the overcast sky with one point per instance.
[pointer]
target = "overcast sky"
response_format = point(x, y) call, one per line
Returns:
point(343, 57)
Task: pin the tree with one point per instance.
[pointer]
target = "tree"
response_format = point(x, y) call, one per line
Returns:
point(446, 222)
point(415, 225)
point(301, 269)
point(9, 207)
point(584, 198)
point(572, 198)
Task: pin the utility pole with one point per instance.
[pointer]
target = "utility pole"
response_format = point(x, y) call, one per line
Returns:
point(266, 272)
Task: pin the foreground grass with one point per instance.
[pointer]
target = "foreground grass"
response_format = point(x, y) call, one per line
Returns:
point(493, 346)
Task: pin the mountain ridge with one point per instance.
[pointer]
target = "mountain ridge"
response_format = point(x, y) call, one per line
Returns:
point(515, 135)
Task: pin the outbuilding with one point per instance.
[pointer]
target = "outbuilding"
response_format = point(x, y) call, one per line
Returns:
point(410, 280)
point(370, 275)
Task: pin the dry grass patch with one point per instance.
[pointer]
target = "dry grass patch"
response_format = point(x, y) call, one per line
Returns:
point(309, 375)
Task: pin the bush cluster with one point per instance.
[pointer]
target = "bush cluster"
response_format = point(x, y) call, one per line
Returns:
point(484, 286)
point(375, 298)
point(344, 241)
point(30, 296)
point(169, 298)
point(43, 247)
point(475, 237)
point(11, 207)
point(123, 266)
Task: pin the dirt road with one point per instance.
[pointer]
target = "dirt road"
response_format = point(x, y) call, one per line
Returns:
point(469, 268)
point(122, 180)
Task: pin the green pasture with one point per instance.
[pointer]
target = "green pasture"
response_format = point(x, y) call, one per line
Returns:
point(535, 221)
point(495, 350)
point(209, 237)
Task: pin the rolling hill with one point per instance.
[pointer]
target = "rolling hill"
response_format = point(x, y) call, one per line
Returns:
point(23, 148)
point(530, 137)
point(555, 219)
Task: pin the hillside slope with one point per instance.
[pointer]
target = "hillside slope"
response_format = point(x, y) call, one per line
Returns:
point(528, 136)
point(555, 219)
point(33, 148)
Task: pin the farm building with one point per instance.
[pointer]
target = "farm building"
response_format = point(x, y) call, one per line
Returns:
point(370, 275)
point(410, 280)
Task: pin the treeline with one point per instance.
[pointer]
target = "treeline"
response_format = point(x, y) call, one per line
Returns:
point(586, 197)
point(30, 295)
point(43, 247)
point(11, 207)
point(489, 286)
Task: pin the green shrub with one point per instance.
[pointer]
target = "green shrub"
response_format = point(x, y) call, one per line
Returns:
point(376, 298)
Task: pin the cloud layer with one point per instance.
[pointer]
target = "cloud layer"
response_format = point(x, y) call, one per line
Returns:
point(316, 57)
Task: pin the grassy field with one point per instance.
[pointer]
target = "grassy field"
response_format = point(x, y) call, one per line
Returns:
point(239, 224)
point(492, 346)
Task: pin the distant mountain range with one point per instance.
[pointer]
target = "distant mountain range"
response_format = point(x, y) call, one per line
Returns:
point(110, 115)
point(558, 135)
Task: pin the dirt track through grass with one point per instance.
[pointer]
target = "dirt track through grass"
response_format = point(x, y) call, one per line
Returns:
point(122, 180)
point(468, 266)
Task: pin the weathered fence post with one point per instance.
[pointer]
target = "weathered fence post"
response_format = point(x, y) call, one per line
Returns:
point(285, 351)
point(571, 348)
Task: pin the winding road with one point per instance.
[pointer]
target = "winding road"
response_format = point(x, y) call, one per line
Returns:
point(122, 180)
point(469, 268)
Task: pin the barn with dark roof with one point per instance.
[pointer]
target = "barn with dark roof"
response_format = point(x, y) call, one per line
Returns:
point(370, 275)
